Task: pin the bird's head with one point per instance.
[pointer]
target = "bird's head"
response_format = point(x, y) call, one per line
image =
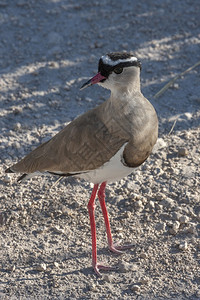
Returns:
point(116, 70)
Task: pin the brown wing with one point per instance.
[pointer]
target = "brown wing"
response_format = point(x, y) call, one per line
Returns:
point(85, 144)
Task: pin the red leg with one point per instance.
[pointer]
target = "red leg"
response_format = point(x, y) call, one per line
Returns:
point(91, 209)
point(112, 247)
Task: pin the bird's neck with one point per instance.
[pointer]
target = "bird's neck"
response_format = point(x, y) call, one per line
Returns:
point(123, 96)
point(126, 91)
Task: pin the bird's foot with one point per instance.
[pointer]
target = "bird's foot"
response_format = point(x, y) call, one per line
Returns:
point(118, 249)
point(97, 267)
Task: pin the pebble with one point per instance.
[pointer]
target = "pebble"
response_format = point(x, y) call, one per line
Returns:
point(7, 179)
point(143, 255)
point(182, 152)
point(198, 292)
point(56, 264)
point(57, 230)
point(88, 99)
point(135, 288)
point(176, 86)
point(139, 205)
point(127, 214)
point(124, 267)
point(160, 226)
point(184, 219)
point(17, 126)
point(107, 278)
point(188, 115)
point(159, 196)
point(41, 268)
point(191, 229)
point(53, 64)
point(151, 205)
point(92, 287)
point(168, 202)
point(12, 268)
point(175, 227)
point(159, 145)
point(145, 280)
point(183, 246)
point(176, 216)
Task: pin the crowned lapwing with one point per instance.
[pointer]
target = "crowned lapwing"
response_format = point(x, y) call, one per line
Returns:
point(106, 143)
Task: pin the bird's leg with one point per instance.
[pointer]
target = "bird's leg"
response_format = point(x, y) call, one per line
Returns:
point(91, 209)
point(113, 247)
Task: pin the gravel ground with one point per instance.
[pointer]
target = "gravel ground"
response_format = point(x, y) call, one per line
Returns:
point(47, 50)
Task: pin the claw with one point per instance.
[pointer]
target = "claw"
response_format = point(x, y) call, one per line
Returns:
point(116, 248)
point(98, 267)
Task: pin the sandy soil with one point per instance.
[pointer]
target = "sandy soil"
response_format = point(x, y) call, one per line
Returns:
point(47, 50)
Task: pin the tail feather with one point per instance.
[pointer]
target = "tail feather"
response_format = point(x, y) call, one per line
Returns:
point(25, 176)
point(21, 178)
point(9, 170)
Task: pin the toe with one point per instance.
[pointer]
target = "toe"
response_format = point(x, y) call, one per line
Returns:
point(116, 248)
point(97, 267)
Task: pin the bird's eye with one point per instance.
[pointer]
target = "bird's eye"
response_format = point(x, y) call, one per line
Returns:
point(118, 70)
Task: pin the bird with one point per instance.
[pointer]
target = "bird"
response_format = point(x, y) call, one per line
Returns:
point(103, 145)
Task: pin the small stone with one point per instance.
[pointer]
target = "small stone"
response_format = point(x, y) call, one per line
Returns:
point(151, 204)
point(184, 219)
point(53, 64)
point(182, 152)
point(127, 214)
point(92, 287)
point(175, 227)
point(135, 288)
point(12, 268)
point(168, 202)
point(41, 268)
point(7, 178)
point(17, 126)
point(143, 255)
point(56, 264)
point(159, 145)
point(183, 246)
point(107, 278)
point(58, 230)
point(159, 197)
point(134, 195)
point(198, 292)
point(176, 86)
point(176, 216)
point(160, 226)
point(124, 267)
point(191, 229)
point(144, 281)
point(88, 99)
point(55, 283)
point(139, 205)
point(17, 110)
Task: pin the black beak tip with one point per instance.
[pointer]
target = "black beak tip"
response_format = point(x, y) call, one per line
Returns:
point(86, 84)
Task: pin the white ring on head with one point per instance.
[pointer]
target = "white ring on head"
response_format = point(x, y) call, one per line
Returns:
point(108, 61)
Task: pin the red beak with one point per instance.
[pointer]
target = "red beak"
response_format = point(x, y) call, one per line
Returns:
point(97, 78)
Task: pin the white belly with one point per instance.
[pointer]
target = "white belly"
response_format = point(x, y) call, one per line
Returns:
point(111, 171)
